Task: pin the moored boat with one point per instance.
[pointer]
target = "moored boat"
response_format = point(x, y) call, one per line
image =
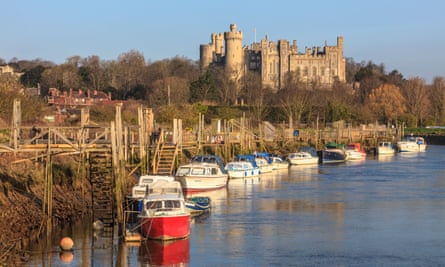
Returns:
point(243, 167)
point(201, 176)
point(164, 215)
point(411, 144)
point(355, 151)
point(198, 204)
point(278, 163)
point(385, 148)
point(302, 158)
point(140, 190)
point(333, 153)
point(264, 161)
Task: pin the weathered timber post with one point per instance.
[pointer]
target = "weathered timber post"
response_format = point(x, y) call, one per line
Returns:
point(120, 165)
point(16, 123)
point(48, 191)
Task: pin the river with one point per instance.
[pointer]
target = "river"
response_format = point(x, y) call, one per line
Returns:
point(387, 211)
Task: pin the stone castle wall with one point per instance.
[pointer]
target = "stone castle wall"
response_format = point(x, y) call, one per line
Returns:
point(273, 60)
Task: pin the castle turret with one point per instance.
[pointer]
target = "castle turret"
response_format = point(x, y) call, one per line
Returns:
point(341, 64)
point(234, 52)
point(205, 55)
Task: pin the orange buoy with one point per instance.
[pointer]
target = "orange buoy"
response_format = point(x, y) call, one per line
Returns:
point(66, 243)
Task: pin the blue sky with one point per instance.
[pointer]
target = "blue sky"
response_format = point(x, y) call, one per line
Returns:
point(406, 35)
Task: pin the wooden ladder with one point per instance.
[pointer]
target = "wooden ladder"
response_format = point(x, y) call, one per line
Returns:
point(102, 182)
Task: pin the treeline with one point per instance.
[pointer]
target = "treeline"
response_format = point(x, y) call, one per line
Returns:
point(176, 87)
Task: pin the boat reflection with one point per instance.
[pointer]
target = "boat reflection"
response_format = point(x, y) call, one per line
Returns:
point(170, 253)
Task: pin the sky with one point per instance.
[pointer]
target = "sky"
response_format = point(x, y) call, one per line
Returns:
point(403, 35)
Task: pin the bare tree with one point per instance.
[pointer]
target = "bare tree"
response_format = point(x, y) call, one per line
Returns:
point(294, 97)
point(254, 94)
point(170, 91)
point(130, 71)
point(417, 98)
point(438, 100)
point(94, 72)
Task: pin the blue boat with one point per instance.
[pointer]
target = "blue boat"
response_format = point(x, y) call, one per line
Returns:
point(197, 205)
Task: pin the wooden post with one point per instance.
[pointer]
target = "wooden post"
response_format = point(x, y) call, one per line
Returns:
point(16, 123)
point(120, 164)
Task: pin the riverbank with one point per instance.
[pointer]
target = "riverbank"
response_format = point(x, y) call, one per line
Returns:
point(21, 213)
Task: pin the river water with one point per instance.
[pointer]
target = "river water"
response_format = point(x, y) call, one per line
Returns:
point(387, 211)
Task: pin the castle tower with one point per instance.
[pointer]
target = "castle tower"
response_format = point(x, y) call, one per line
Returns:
point(341, 67)
point(205, 55)
point(234, 52)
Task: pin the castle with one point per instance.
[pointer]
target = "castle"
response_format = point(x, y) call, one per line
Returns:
point(273, 60)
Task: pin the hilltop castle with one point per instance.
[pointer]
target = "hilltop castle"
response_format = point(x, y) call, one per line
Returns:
point(273, 60)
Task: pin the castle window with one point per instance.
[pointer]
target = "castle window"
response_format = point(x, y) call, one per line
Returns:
point(314, 71)
point(322, 71)
point(306, 71)
point(298, 72)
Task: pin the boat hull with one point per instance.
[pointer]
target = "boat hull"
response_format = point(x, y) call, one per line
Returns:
point(166, 227)
point(411, 147)
point(239, 174)
point(385, 148)
point(302, 158)
point(200, 183)
point(333, 156)
point(304, 161)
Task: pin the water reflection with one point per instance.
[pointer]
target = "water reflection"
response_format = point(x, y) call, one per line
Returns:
point(172, 253)
point(217, 197)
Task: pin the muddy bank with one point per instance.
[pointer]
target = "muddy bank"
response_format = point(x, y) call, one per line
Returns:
point(22, 216)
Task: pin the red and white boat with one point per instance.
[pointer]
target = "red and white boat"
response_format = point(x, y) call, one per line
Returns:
point(355, 151)
point(164, 215)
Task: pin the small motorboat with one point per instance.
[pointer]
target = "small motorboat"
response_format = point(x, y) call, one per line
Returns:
point(197, 205)
point(278, 163)
point(385, 148)
point(201, 176)
point(164, 215)
point(302, 158)
point(244, 166)
point(412, 144)
point(355, 151)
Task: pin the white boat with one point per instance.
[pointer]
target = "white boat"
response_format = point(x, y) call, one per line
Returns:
point(265, 166)
point(412, 144)
point(278, 163)
point(385, 148)
point(354, 151)
point(242, 170)
point(201, 176)
point(302, 158)
point(164, 214)
point(140, 190)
